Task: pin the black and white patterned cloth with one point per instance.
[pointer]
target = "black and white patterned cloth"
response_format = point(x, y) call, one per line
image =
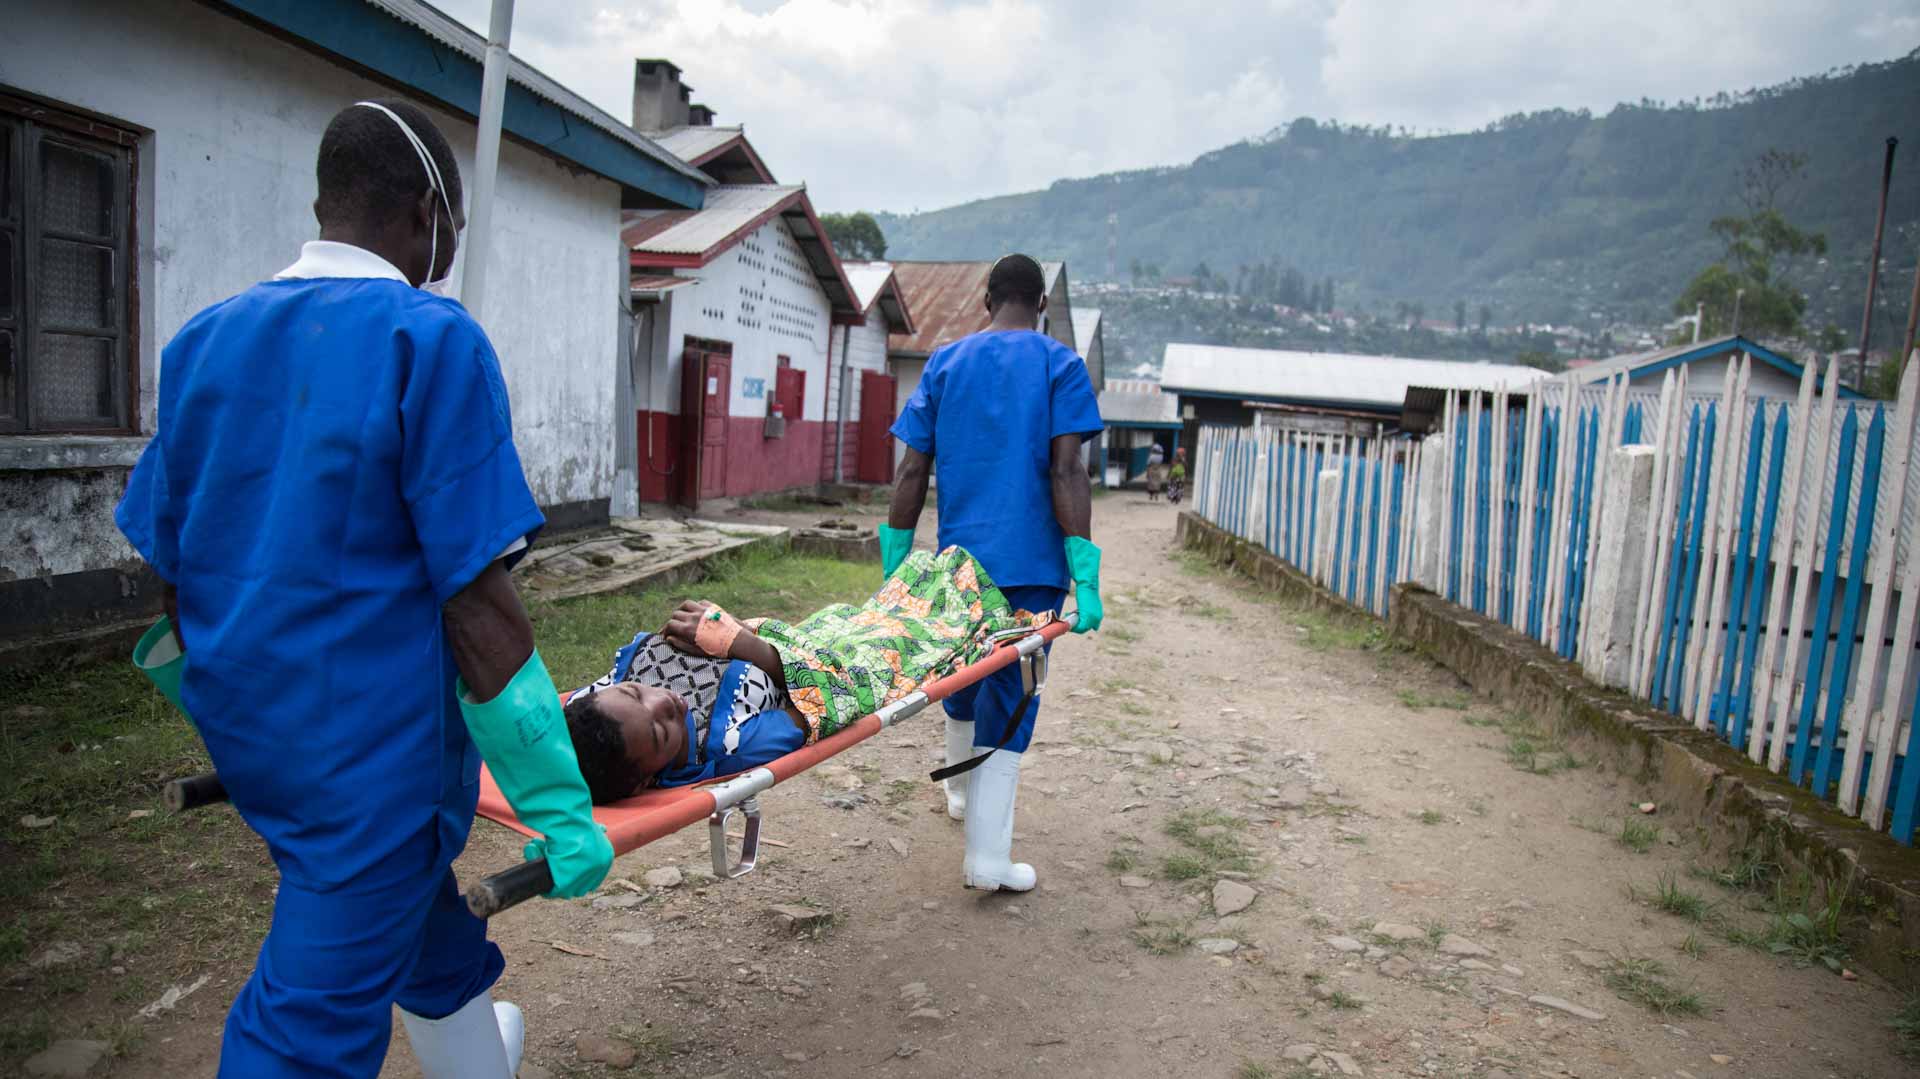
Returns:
point(651, 661)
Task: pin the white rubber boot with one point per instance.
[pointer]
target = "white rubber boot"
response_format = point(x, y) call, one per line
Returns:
point(959, 748)
point(482, 1040)
point(989, 863)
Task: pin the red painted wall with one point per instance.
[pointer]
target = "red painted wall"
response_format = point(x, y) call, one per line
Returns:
point(755, 464)
point(849, 453)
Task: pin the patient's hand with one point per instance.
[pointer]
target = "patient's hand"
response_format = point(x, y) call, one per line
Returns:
point(684, 624)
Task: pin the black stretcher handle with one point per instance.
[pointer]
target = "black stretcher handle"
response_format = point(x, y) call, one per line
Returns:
point(510, 888)
point(193, 792)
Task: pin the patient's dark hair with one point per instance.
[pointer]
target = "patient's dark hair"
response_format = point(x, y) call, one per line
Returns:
point(602, 750)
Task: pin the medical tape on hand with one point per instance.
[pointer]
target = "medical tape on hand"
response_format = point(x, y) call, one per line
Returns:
point(716, 632)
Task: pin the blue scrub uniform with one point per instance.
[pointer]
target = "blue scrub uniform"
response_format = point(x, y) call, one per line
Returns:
point(334, 460)
point(987, 410)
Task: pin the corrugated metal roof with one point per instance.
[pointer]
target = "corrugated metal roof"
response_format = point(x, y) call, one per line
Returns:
point(947, 300)
point(1640, 364)
point(456, 36)
point(691, 238)
point(729, 211)
point(1086, 324)
point(1135, 400)
point(655, 284)
point(692, 143)
point(1330, 378)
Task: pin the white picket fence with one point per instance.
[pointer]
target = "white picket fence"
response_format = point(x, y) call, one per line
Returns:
point(1744, 562)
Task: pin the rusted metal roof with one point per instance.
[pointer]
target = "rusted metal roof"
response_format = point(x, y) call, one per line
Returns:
point(948, 301)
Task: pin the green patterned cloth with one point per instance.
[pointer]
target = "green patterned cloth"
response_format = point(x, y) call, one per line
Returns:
point(937, 613)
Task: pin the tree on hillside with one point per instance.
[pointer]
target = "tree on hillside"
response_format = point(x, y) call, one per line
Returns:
point(856, 235)
point(1748, 271)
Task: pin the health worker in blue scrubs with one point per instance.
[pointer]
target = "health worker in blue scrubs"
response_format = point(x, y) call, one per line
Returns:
point(998, 420)
point(333, 500)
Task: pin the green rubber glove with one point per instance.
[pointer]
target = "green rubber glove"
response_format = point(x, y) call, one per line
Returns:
point(160, 657)
point(895, 544)
point(1083, 562)
point(522, 735)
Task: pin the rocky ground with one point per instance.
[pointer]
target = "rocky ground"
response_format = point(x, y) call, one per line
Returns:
point(1268, 845)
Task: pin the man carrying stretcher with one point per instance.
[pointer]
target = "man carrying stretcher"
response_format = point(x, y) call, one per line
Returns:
point(333, 498)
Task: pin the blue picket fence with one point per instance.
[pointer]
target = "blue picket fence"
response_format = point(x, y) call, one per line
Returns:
point(1754, 575)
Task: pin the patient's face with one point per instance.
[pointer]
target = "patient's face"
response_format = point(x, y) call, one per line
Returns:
point(652, 719)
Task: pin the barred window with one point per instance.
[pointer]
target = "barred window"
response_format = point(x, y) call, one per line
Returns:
point(66, 279)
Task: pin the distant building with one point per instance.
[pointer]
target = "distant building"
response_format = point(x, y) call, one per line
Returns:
point(1773, 374)
point(865, 446)
point(738, 307)
point(1139, 415)
point(171, 148)
point(1092, 346)
point(1326, 392)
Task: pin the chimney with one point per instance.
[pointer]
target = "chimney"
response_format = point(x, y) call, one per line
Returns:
point(659, 98)
point(700, 115)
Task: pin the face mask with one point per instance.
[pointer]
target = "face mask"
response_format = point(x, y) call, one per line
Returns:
point(439, 286)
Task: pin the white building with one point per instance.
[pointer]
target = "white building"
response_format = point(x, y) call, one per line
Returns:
point(864, 445)
point(175, 141)
point(743, 295)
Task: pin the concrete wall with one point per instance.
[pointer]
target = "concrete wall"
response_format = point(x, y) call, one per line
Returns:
point(760, 297)
point(225, 200)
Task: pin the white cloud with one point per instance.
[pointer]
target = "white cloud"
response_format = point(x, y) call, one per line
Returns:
point(905, 104)
point(1428, 65)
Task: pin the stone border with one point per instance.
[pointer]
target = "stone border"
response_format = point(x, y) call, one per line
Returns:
point(1698, 778)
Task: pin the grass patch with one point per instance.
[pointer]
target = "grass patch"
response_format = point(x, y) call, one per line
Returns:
point(1119, 633)
point(1906, 1028)
point(1324, 632)
point(1420, 702)
point(1343, 1000)
point(1430, 817)
point(1672, 899)
point(899, 791)
point(1638, 836)
point(1135, 708)
point(1212, 839)
point(650, 1044)
point(1643, 982)
point(1161, 936)
point(1200, 608)
point(579, 636)
point(1692, 947)
point(1250, 1069)
point(1123, 860)
point(1529, 747)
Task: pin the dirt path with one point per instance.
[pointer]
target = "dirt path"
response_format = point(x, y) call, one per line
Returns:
point(1344, 786)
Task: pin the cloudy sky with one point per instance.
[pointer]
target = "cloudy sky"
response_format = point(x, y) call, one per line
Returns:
point(917, 104)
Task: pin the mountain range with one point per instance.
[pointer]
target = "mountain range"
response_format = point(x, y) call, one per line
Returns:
point(1555, 216)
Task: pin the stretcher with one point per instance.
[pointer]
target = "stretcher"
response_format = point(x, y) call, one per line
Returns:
point(654, 814)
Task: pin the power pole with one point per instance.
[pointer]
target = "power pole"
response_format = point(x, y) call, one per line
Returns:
point(1873, 267)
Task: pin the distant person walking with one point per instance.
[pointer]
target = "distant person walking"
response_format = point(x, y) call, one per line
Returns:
point(1177, 476)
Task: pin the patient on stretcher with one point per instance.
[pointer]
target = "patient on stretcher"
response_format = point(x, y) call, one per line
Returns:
point(708, 696)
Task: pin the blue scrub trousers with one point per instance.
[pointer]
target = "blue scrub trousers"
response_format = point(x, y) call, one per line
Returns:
point(320, 1001)
point(991, 702)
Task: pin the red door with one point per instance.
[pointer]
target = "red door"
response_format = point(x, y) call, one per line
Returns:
point(874, 463)
point(706, 388)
